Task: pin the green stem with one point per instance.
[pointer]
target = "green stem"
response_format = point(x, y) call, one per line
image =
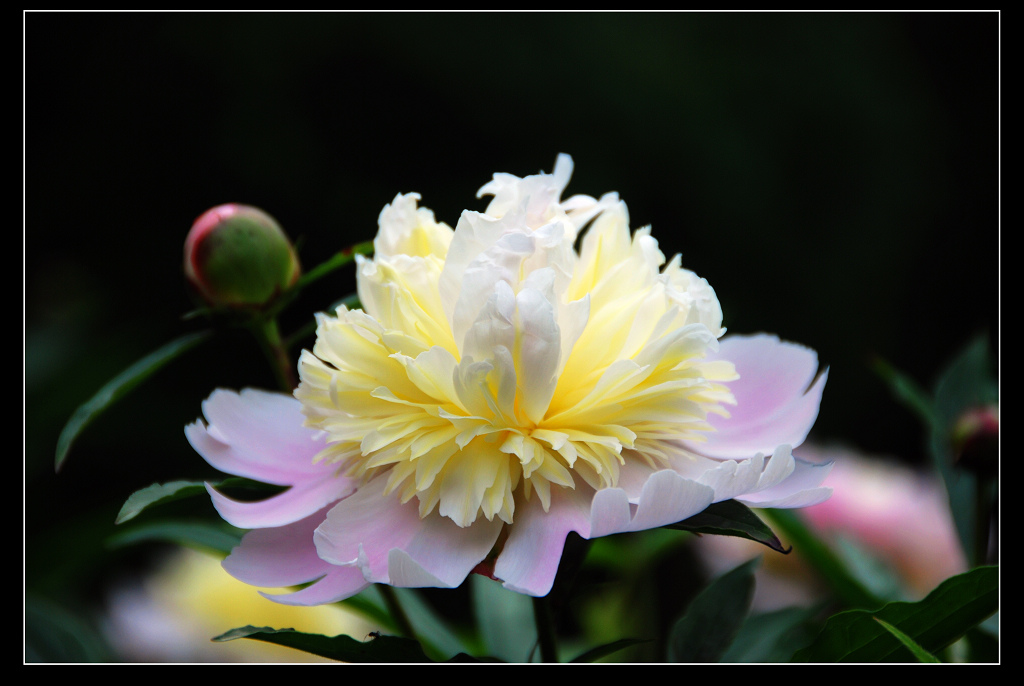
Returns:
point(339, 260)
point(545, 621)
point(269, 337)
point(398, 615)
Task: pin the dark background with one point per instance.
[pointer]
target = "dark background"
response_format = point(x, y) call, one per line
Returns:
point(835, 177)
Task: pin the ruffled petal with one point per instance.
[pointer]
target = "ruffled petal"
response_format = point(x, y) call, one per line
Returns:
point(261, 436)
point(286, 556)
point(258, 435)
point(776, 401)
point(801, 488)
point(666, 498)
point(392, 544)
point(297, 502)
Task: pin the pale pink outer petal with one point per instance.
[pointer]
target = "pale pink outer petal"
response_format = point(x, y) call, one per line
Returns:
point(295, 503)
point(666, 498)
point(528, 562)
point(285, 556)
point(645, 500)
point(391, 544)
point(261, 436)
point(802, 488)
point(776, 402)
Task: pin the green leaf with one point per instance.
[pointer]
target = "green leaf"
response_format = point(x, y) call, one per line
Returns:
point(430, 628)
point(772, 636)
point(436, 637)
point(864, 565)
point(155, 495)
point(920, 653)
point(215, 536)
point(505, 619)
point(958, 604)
point(54, 633)
point(159, 494)
point(731, 518)
point(368, 604)
point(850, 591)
point(343, 648)
point(595, 654)
point(712, 620)
point(983, 645)
point(906, 391)
point(119, 386)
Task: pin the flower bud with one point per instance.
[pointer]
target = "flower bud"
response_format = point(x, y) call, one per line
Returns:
point(238, 256)
point(975, 438)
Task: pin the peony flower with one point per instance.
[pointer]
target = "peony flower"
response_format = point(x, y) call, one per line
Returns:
point(499, 390)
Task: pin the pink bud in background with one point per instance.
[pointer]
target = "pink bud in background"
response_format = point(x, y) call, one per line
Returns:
point(238, 256)
point(975, 438)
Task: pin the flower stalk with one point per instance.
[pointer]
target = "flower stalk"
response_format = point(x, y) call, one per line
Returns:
point(269, 337)
point(544, 619)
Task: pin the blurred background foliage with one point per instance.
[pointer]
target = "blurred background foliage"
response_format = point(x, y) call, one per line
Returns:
point(834, 176)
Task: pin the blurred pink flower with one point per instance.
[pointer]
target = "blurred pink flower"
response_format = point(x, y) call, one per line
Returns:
point(896, 514)
point(500, 390)
point(901, 515)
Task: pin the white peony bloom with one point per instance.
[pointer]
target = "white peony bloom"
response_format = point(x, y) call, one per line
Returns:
point(500, 389)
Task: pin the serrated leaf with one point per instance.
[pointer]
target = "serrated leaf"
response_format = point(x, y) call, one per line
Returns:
point(712, 620)
point(595, 654)
point(342, 648)
point(920, 653)
point(119, 386)
point(731, 518)
point(849, 589)
point(215, 536)
point(957, 605)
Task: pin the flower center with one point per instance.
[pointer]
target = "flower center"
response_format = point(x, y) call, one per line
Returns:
point(494, 363)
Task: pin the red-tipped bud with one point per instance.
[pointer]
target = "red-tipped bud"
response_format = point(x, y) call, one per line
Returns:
point(976, 440)
point(238, 256)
